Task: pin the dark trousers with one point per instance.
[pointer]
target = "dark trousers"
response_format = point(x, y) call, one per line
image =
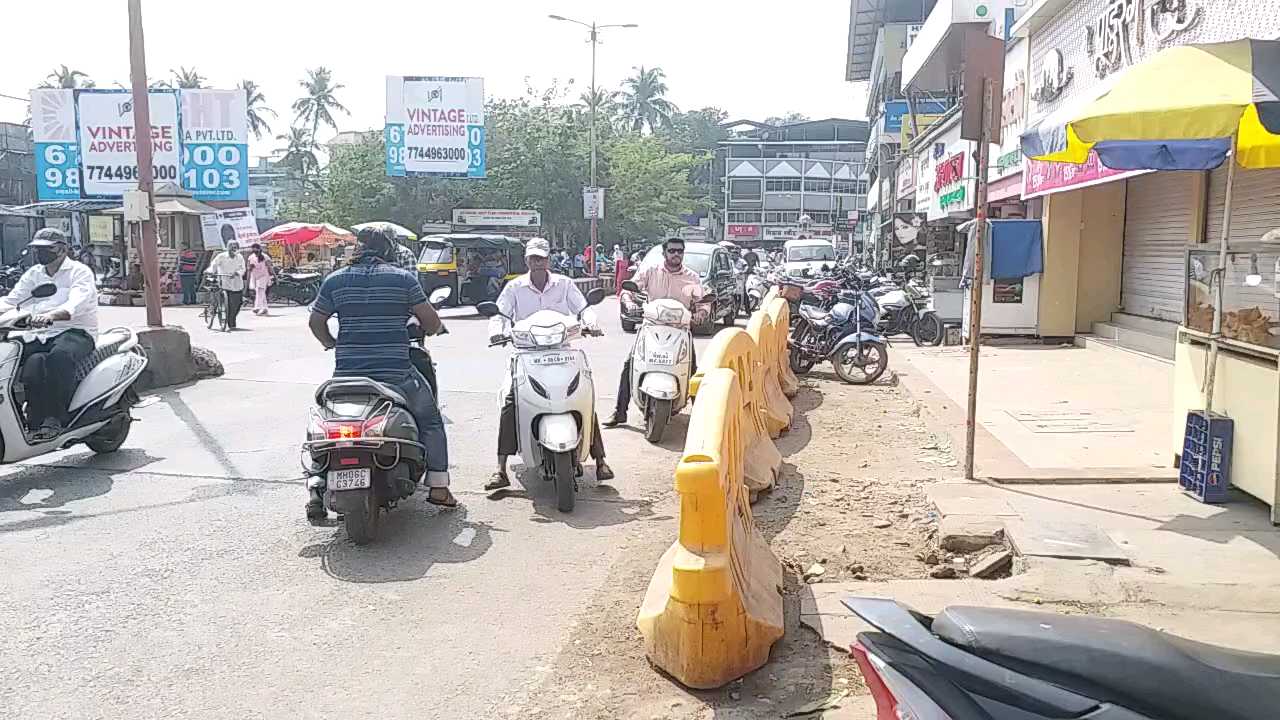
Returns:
point(509, 444)
point(234, 300)
point(624, 382)
point(48, 371)
point(188, 287)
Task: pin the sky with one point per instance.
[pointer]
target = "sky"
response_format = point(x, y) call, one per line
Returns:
point(753, 59)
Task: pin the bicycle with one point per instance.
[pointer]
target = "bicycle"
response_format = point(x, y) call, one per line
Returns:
point(215, 309)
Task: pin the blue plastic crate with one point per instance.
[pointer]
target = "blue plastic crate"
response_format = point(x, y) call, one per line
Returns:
point(1205, 471)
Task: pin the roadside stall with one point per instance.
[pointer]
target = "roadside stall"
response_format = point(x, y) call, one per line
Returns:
point(178, 228)
point(306, 246)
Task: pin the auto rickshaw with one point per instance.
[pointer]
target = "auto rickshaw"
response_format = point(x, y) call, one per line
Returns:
point(475, 267)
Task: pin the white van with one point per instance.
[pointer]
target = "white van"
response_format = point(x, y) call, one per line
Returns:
point(799, 256)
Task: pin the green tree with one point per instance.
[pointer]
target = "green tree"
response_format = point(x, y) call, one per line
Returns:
point(188, 79)
point(791, 117)
point(648, 187)
point(256, 107)
point(67, 79)
point(644, 104)
point(299, 152)
point(320, 101)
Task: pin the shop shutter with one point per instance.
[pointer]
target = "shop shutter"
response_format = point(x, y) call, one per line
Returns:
point(1157, 229)
point(1255, 210)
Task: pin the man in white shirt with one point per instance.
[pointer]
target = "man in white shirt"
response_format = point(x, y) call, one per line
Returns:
point(539, 289)
point(229, 268)
point(66, 330)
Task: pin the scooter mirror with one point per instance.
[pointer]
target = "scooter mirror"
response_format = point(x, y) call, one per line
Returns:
point(630, 286)
point(44, 291)
point(595, 296)
point(488, 309)
point(439, 295)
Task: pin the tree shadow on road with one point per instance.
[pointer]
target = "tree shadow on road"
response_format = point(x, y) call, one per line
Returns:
point(411, 539)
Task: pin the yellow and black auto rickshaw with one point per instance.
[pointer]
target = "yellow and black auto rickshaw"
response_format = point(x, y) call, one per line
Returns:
point(476, 267)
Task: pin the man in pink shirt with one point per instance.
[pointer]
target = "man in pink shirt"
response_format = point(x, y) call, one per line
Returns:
point(671, 279)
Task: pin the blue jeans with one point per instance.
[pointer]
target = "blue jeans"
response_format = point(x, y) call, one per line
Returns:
point(430, 425)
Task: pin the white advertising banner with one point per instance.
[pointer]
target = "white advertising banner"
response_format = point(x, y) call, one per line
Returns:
point(53, 130)
point(435, 127)
point(592, 203)
point(236, 224)
point(108, 156)
point(490, 217)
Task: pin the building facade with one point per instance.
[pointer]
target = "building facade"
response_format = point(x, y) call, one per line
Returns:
point(271, 185)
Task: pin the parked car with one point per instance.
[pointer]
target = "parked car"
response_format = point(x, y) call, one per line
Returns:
point(808, 258)
point(714, 266)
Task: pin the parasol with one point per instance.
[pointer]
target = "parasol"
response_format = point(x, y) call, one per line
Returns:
point(402, 233)
point(295, 233)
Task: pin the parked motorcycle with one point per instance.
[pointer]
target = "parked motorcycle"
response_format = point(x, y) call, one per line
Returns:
point(660, 363)
point(845, 335)
point(362, 450)
point(756, 289)
point(554, 394)
point(295, 286)
point(997, 664)
point(103, 396)
point(904, 309)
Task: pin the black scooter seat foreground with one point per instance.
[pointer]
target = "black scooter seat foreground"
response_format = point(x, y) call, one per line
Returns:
point(990, 663)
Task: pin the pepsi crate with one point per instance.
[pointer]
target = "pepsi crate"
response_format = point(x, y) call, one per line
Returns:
point(1205, 471)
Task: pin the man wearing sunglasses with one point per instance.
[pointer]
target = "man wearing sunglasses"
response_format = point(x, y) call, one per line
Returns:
point(670, 280)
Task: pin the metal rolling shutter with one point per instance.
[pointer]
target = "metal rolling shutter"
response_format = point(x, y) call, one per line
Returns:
point(1157, 229)
point(1255, 204)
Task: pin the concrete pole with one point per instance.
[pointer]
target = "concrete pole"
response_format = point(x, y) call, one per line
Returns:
point(979, 284)
point(595, 222)
point(142, 142)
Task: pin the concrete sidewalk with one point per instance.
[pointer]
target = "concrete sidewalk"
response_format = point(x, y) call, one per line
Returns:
point(1051, 413)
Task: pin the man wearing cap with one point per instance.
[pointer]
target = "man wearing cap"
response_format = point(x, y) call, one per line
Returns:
point(539, 289)
point(66, 330)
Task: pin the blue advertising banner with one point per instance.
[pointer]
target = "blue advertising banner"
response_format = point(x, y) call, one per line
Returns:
point(896, 110)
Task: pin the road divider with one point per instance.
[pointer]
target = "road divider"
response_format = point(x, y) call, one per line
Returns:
point(714, 606)
point(780, 313)
point(734, 349)
point(776, 409)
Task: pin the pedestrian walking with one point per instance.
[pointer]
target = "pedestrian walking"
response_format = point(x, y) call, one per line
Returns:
point(620, 265)
point(260, 272)
point(229, 269)
point(189, 275)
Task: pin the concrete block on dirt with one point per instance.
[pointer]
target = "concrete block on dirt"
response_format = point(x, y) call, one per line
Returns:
point(169, 359)
point(993, 564)
point(969, 533)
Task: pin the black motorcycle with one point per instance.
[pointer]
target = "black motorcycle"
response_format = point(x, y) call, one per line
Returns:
point(846, 335)
point(972, 663)
point(295, 286)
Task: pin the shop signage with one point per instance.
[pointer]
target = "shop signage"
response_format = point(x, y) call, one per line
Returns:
point(1055, 76)
point(485, 217)
point(742, 230)
point(435, 127)
point(1113, 38)
point(906, 178)
point(782, 233)
point(948, 172)
point(952, 199)
point(1042, 178)
point(1006, 157)
point(237, 224)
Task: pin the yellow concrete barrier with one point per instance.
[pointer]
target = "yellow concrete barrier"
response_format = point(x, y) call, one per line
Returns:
point(733, 348)
point(780, 313)
point(714, 606)
point(777, 410)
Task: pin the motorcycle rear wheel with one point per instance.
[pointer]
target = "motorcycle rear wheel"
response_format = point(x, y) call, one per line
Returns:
point(799, 364)
point(562, 467)
point(111, 436)
point(362, 525)
point(927, 330)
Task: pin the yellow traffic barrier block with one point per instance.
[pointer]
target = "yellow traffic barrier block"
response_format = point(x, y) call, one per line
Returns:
point(776, 409)
point(780, 314)
point(733, 348)
point(714, 606)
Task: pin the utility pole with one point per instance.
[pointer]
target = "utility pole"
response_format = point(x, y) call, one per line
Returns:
point(978, 288)
point(143, 145)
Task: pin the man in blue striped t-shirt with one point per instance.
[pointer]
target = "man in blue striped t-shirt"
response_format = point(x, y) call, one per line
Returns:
point(374, 300)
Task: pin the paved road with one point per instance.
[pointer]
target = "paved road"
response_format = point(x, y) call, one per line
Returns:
point(178, 578)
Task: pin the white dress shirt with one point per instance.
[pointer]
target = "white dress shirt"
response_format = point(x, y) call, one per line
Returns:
point(77, 294)
point(520, 299)
point(229, 267)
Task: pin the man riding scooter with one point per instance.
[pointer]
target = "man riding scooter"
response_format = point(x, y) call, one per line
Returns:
point(539, 289)
point(374, 299)
point(670, 280)
point(68, 322)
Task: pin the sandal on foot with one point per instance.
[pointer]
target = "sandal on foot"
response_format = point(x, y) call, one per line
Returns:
point(497, 481)
point(448, 501)
point(604, 473)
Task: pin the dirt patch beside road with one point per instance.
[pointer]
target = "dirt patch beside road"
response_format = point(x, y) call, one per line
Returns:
point(850, 501)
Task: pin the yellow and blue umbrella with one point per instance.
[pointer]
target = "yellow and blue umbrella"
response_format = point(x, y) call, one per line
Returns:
point(1182, 109)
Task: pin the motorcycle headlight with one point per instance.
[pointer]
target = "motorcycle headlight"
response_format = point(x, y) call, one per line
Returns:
point(669, 315)
point(522, 338)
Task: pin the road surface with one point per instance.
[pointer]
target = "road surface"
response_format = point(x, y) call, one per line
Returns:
point(178, 577)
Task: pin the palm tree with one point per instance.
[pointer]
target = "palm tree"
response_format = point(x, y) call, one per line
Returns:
point(643, 104)
point(321, 100)
point(299, 151)
point(256, 105)
point(604, 101)
point(67, 79)
point(188, 79)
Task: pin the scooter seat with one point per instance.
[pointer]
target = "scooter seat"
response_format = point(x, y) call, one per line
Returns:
point(813, 314)
point(108, 343)
point(1147, 671)
point(358, 386)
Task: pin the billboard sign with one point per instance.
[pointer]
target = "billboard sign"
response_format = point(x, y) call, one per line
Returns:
point(85, 143)
point(236, 224)
point(435, 127)
point(488, 217)
point(592, 203)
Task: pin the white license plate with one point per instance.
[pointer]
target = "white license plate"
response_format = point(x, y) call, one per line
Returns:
point(353, 479)
point(661, 358)
point(556, 359)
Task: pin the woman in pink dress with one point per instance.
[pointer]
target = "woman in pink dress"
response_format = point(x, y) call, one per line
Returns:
point(259, 272)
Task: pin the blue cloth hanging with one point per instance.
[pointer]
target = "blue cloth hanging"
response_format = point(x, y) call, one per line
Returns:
point(1016, 249)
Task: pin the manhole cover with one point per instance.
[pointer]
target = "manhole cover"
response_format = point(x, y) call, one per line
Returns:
point(1072, 421)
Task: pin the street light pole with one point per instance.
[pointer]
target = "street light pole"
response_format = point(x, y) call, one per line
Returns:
point(142, 143)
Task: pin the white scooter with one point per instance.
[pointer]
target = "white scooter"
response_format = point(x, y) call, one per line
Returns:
point(555, 396)
point(661, 362)
point(99, 408)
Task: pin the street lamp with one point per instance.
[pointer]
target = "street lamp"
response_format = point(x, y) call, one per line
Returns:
point(594, 37)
